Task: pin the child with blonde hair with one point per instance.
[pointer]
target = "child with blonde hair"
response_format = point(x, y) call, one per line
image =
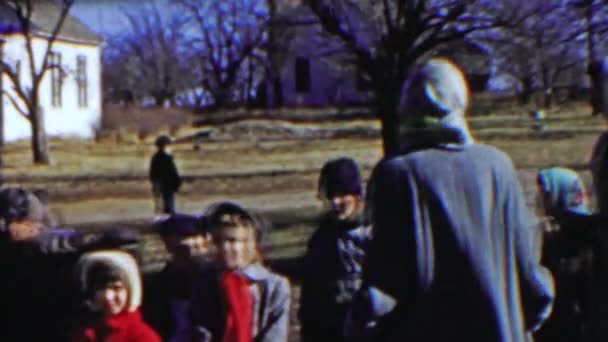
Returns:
point(238, 300)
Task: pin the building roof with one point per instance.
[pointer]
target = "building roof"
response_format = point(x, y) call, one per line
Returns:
point(44, 18)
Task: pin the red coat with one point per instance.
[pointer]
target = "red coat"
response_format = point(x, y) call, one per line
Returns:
point(124, 327)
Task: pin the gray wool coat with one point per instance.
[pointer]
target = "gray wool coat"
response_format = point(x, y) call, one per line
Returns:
point(454, 255)
point(271, 301)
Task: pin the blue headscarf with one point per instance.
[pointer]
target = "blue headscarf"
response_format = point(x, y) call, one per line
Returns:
point(564, 189)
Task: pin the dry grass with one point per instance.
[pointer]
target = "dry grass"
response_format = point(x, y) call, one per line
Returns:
point(99, 184)
point(87, 176)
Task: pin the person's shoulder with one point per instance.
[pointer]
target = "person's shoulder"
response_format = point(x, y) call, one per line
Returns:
point(489, 152)
point(278, 285)
point(390, 163)
point(259, 272)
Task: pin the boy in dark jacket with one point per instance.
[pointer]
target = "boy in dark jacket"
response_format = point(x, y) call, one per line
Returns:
point(332, 266)
point(167, 294)
point(164, 176)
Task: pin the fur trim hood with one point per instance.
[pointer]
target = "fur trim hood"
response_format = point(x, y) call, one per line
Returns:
point(113, 258)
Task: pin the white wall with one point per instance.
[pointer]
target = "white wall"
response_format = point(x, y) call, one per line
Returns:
point(68, 119)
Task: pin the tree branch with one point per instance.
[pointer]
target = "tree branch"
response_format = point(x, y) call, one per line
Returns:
point(16, 105)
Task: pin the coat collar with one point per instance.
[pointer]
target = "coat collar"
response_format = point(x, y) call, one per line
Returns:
point(255, 272)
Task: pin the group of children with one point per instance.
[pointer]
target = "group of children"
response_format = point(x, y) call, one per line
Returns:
point(216, 288)
point(233, 297)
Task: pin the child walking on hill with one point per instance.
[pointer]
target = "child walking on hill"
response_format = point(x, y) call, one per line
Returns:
point(111, 285)
point(238, 300)
point(332, 266)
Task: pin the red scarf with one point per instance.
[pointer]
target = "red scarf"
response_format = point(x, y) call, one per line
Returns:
point(239, 307)
point(124, 327)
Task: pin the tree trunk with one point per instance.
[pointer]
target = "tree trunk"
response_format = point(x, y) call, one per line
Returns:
point(547, 87)
point(525, 94)
point(387, 92)
point(390, 131)
point(40, 148)
point(277, 92)
point(386, 107)
point(548, 98)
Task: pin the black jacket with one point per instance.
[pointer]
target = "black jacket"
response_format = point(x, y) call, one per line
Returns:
point(163, 172)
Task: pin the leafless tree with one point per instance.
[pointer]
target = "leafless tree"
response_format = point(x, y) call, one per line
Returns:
point(388, 37)
point(25, 97)
point(595, 31)
point(148, 59)
point(227, 35)
point(538, 46)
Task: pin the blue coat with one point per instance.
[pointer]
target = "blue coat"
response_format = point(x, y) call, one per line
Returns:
point(454, 256)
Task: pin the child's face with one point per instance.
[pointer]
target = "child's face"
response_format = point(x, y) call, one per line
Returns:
point(236, 247)
point(112, 299)
point(344, 206)
point(185, 247)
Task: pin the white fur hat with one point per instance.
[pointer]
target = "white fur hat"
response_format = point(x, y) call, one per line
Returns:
point(119, 260)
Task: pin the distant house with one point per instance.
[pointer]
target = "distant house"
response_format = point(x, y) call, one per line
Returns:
point(315, 71)
point(71, 96)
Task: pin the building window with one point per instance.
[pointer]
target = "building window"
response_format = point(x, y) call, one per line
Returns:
point(81, 80)
point(56, 78)
point(302, 75)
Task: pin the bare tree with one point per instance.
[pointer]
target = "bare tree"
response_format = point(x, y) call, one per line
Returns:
point(536, 47)
point(26, 97)
point(119, 72)
point(595, 27)
point(155, 44)
point(228, 33)
point(388, 37)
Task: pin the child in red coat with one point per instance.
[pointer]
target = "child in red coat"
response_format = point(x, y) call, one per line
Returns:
point(111, 284)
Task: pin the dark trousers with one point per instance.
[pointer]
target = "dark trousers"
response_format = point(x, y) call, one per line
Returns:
point(168, 202)
point(164, 201)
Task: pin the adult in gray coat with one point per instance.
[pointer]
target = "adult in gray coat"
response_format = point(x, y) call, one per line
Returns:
point(454, 254)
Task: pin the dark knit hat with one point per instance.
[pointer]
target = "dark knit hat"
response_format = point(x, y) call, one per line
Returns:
point(18, 203)
point(339, 177)
point(180, 224)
